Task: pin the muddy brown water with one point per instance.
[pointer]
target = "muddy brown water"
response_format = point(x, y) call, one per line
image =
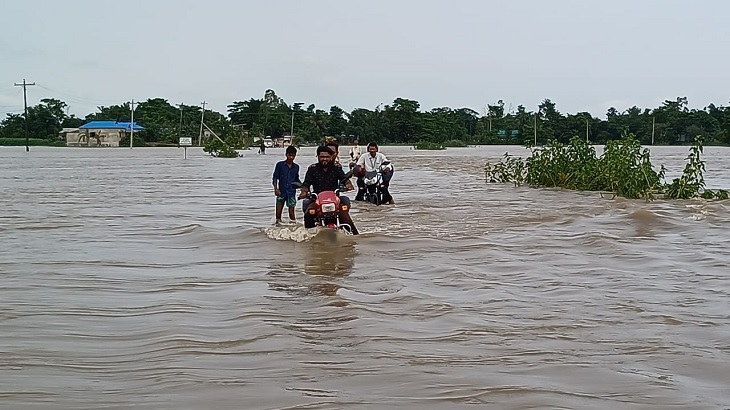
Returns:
point(134, 278)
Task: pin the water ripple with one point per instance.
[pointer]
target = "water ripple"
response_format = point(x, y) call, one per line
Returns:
point(183, 293)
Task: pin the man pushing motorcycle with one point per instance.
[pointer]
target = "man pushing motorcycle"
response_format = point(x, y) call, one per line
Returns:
point(371, 162)
point(325, 176)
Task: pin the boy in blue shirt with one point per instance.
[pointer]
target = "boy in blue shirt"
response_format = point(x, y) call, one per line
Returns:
point(285, 173)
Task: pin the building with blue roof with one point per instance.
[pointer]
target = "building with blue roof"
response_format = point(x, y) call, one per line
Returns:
point(99, 133)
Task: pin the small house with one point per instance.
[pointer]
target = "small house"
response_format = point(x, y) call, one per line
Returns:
point(69, 134)
point(100, 134)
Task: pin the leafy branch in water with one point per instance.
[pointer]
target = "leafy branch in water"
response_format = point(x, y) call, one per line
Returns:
point(509, 169)
point(218, 148)
point(692, 182)
point(428, 145)
point(624, 169)
point(455, 144)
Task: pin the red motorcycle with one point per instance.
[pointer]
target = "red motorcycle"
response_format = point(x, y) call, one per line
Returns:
point(327, 210)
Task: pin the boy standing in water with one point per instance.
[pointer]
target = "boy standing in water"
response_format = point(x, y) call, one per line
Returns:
point(285, 173)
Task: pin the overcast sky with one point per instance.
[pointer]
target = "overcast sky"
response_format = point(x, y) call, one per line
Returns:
point(584, 55)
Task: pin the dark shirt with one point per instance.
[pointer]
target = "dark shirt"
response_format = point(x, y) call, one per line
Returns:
point(323, 180)
point(285, 175)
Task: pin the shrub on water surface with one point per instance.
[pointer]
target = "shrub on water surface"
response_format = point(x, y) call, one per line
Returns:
point(624, 168)
point(455, 144)
point(218, 148)
point(18, 142)
point(428, 145)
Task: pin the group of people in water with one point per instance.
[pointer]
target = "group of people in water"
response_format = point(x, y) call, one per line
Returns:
point(327, 174)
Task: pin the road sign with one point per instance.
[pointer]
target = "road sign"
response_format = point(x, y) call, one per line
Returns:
point(185, 142)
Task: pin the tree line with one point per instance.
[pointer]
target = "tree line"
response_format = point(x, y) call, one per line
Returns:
point(401, 122)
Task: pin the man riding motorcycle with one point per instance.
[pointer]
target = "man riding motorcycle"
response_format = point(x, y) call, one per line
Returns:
point(371, 162)
point(325, 176)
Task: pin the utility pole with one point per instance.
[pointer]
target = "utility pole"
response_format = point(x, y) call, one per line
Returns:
point(292, 125)
point(653, 123)
point(488, 116)
point(202, 118)
point(25, 105)
point(535, 129)
point(586, 130)
point(131, 128)
point(179, 131)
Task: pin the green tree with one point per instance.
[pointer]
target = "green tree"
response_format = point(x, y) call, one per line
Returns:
point(403, 120)
point(160, 120)
point(13, 126)
point(72, 122)
point(44, 121)
point(336, 121)
point(246, 113)
point(121, 112)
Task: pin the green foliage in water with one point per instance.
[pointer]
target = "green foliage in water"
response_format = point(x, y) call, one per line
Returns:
point(455, 144)
point(138, 141)
point(692, 182)
point(428, 145)
point(17, 142)
point(624, 169)
point(220, 149)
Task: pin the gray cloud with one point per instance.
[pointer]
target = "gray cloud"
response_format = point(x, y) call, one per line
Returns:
point(582, 55)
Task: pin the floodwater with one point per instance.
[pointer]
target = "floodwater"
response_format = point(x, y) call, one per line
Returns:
point(135, 278)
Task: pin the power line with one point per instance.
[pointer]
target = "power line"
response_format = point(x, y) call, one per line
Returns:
point(72, 98)
point(25, 105)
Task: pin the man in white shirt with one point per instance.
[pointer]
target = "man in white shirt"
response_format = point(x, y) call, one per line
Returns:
point(372, 162)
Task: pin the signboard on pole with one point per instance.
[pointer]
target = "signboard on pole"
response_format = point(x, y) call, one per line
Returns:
point(185, 142)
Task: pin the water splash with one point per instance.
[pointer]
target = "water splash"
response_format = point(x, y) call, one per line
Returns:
point(297, 233)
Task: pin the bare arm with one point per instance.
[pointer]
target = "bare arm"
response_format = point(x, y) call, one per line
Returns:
point(306, 184)
point(275, 180)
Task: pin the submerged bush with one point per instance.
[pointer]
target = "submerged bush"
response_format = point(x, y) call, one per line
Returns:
point(218, 148)
point(428, 145)
point(624, 169)
point(18, 142)
point(455, 144)
point(692, 182)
